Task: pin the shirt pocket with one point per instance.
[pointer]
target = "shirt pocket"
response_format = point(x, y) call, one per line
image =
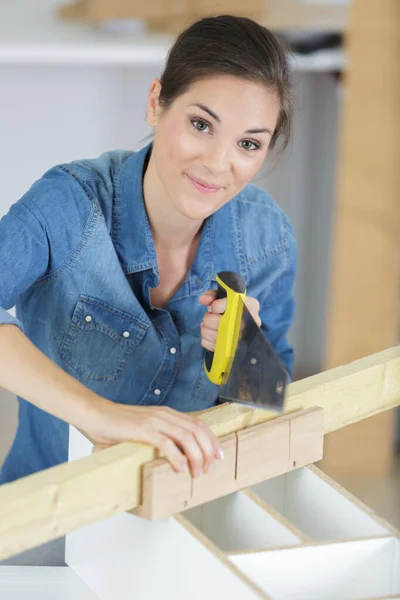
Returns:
point(100, 340)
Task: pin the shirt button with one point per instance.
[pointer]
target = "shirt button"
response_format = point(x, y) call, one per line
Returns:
point(88, 318)
point(172, 350)
point(126, 334)
point(157, 392)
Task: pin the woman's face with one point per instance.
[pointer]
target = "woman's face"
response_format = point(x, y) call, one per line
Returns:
point(211, 142)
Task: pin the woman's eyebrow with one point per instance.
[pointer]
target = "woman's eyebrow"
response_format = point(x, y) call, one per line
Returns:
point(216, 117)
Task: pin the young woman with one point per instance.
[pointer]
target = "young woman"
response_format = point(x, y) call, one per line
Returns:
point(112, 262)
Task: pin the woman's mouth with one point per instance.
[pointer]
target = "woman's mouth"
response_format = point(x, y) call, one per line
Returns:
point(203, 186)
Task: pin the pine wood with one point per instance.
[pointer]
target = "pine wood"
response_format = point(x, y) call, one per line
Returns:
point(347, 394)
point(45, 506)
point(364, 311)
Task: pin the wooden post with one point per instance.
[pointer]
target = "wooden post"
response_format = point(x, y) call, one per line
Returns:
point(365, 290)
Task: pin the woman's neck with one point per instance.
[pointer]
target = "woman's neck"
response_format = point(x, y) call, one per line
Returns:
point(171, 230)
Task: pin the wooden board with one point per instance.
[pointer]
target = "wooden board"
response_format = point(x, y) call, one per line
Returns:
point(45, 506)
point(364, 313)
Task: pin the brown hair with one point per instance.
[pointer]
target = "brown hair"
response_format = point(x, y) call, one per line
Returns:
point(230, 45)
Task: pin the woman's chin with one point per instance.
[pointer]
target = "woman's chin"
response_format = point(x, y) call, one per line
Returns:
point(199, 209)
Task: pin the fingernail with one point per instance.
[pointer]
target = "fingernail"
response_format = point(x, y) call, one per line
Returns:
point(221, 454)
point(199, 472)
point(185, 467)
point(209, 309)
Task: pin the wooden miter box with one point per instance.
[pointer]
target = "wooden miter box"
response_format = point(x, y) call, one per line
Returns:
point(263, 523)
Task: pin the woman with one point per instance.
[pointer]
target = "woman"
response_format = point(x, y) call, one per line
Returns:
point(111, 262)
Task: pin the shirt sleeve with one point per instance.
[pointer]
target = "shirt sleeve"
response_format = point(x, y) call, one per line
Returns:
point(38, 233)
point(277, 307)
point(24, 255)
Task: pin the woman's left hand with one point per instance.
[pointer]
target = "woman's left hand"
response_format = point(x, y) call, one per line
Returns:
point(215, 308)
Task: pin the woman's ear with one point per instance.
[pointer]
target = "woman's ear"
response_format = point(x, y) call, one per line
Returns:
point(153, 104)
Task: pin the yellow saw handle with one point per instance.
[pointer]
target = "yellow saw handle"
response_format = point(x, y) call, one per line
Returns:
point(217, 364)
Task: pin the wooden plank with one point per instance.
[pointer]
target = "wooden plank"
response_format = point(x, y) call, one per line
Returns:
point(363, 314)
point(45, 506)
point(347, 394)
point(306, 437)
point(263, 452)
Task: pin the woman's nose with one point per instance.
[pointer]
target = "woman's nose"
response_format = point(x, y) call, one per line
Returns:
point(217, 157)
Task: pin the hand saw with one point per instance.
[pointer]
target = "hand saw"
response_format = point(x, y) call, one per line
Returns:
point(244, 364)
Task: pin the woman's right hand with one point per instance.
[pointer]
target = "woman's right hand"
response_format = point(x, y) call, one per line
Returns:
point(186, 442)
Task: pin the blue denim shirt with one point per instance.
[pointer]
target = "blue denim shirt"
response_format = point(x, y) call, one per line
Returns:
point(77, 260)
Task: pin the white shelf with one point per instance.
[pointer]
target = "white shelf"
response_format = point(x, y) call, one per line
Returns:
point(42, 583)
point(32, 34)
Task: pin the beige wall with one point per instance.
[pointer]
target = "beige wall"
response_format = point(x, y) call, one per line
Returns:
point(8, 422)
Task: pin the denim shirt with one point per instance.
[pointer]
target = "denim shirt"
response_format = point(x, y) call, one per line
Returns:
point(77, 260)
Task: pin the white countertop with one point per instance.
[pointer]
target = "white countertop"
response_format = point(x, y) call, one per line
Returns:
point(31, 33)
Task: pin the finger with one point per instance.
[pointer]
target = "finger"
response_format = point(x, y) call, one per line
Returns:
point(191, 448)
point(253, 306)
point(208, 448)
point(209, 334)
point(211, 321)
point(186, 442)
point(188, 421)
point(215, 441)
point(218, 306)
point(172, 453)
point(208, 345)
point(208, 297)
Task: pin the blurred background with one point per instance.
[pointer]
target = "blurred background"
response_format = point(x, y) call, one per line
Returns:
point(74, 80)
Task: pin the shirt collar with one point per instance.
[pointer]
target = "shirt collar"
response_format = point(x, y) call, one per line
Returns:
point(131, 232)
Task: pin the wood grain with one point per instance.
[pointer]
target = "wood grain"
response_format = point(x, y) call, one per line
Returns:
point(364, 310)
point(45, 506)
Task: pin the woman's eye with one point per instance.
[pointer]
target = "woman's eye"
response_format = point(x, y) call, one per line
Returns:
point(249, 145)
point(199, 124)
